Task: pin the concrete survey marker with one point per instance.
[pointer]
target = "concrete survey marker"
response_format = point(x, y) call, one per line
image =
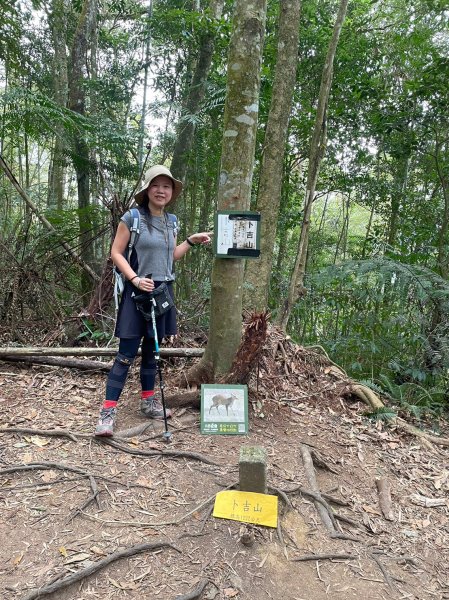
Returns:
point(253, 469)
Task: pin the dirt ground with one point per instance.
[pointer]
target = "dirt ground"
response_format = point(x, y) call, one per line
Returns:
point(51, 527)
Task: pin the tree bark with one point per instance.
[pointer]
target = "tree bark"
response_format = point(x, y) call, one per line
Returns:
point(77, 103)
point(317, 148)
point(258, 272)
point(58, 27)
point(236, 170)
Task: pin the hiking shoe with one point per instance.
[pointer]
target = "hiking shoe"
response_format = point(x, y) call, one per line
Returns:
point(153, 409)
point(105, 425)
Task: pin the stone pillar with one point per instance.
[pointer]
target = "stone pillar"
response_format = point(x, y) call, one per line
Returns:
point(253, 469)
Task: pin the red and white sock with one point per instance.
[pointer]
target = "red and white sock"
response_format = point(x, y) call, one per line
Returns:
point(147, 394)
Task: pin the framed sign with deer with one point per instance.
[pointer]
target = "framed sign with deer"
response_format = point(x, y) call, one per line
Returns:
point(224, 409)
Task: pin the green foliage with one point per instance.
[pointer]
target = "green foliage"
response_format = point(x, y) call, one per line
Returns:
point(92, 333)
point(382, 320)
point(384, 413)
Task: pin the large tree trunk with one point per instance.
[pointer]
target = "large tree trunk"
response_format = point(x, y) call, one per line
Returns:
point(258, 272)
point(317, 148)
point(195, 96)
point(236, 170)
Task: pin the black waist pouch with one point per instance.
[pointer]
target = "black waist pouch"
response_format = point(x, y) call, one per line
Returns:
point(160, 299)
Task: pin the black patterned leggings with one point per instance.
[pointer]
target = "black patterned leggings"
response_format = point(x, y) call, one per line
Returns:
point(127, 352)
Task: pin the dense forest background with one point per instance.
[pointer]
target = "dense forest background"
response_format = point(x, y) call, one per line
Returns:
point(86, 85)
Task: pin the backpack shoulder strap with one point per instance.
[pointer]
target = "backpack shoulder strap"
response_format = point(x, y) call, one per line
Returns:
point(134, 229)
point(174, 221)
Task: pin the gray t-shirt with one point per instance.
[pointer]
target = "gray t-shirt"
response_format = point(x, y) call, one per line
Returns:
point(154, 245)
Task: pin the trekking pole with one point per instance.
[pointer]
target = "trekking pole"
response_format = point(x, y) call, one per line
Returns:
point(167, 434)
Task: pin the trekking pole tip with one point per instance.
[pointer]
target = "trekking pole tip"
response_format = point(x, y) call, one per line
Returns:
point(167, 436)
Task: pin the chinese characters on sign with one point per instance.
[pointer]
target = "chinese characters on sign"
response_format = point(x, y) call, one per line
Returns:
point(237, 234)
point(247, 507)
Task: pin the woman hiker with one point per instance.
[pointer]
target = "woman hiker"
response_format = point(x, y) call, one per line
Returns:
point(154, 252)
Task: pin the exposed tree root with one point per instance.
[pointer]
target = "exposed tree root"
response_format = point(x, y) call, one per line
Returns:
point(165, 453)
point(48, 432)
point(94, 568)
point(196, 593)
point(324, 510)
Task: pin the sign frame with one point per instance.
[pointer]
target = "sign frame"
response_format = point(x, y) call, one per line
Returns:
point(237, 234)
point(219, 417)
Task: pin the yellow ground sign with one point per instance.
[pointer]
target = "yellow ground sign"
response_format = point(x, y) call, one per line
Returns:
point(247, 507)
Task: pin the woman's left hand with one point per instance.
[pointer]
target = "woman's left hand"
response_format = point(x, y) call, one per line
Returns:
point(201, 238)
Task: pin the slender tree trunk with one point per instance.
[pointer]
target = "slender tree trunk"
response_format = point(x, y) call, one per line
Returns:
point(258, 272)
point(442, 245)
point(236, 170)
point(317, 148)
point(195, 96)
point(58, 26)
point(145, 88)
point(80, 149)
point(397, 201)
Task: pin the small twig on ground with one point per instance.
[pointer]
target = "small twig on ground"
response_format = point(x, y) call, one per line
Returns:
point(324, 557)
point(93, 568)
point(196, 593)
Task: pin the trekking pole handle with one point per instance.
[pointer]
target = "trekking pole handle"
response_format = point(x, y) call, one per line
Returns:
point(150, 276)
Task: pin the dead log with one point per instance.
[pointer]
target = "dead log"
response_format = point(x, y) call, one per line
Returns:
point(68, 363)
point(72, 351)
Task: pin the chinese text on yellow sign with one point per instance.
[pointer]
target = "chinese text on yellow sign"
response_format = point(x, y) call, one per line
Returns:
point(248, 507)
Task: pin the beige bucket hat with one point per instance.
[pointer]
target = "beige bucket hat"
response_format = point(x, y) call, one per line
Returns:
point(153, 172)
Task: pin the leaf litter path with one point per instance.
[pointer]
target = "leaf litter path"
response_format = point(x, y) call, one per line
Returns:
point(55, 522)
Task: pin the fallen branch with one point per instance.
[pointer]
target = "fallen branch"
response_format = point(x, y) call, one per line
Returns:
point(95, 567)
point(72, 351)
point(324, 557)
point(64, 363)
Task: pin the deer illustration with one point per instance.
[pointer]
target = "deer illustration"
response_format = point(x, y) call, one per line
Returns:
point(222, 400)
